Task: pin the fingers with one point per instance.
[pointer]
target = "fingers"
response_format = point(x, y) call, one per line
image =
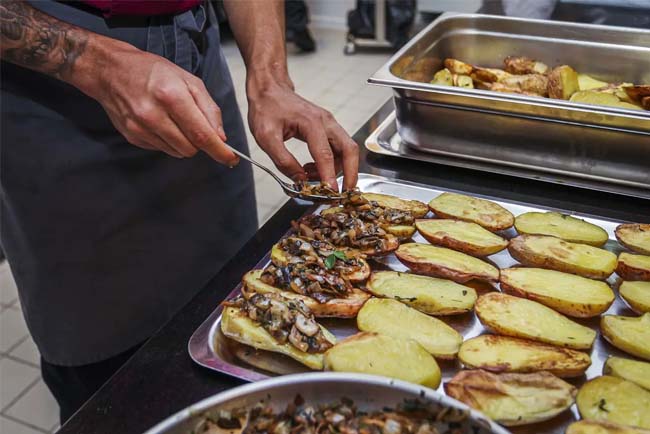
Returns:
point(272, 142)
point(194, 125)
point(348, 151)
point(320, 149)
point(208, 107)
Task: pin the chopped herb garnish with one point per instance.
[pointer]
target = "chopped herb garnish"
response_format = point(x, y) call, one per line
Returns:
point(331, 259)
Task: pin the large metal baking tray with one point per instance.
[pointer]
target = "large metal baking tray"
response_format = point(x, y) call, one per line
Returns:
point(367, 391)
point(209, 348)
point(546, 134)
point(385, 140)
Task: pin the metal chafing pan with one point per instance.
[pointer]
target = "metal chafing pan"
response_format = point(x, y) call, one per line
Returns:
point(367, 391)
point(549, 135)
point(210, 348)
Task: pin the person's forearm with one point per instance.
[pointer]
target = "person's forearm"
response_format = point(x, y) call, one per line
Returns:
point(258, 27)
point(37, 41)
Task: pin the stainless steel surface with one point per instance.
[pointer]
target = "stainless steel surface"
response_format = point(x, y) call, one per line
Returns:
point(548, 135)
point(209, 348)
point(385, 140)
point(368, 392)
point(289, 189)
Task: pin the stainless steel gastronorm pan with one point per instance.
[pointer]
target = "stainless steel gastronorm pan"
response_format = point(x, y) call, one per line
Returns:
point(367, 391)
point(580, 140)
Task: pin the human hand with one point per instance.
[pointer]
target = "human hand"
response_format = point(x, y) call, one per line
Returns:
point(157, 105)
point(277, 113)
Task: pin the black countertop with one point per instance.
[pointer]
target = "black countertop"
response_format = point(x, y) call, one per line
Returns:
point(161, 379)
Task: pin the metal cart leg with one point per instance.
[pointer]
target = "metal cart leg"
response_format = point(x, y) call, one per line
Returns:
point(379, 41)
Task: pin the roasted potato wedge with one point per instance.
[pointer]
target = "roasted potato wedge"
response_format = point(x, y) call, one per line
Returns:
point(371, 353)
point(556, 254)
point(441, 262)
point(631, 370)
point(336, 307)
point(562, 226)
point(586, 82)
point(507, 354)
point(458, 67)
point(637, 295)
point(490, 215)
point(512, 399)
point(280, 258)
point(627, 333)
point(241, 328)
point(633, 267)
point(427, 294)
point(466, 237)
point(634, 236)
point(519, 317)
point(614, 400)
point(392, 318)
point(524, 65)
point(443, 78)
point(567, 293)
point(602, 427)
point(601, 98)
point(417, 208)
point(562, 82)
point(638, 92)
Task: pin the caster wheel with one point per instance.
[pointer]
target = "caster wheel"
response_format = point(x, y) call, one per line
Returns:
point(349, 48)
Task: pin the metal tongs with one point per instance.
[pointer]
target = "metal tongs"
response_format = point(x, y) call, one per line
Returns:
point(291, 190)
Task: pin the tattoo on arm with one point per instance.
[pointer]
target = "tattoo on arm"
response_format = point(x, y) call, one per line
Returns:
point(38, 41)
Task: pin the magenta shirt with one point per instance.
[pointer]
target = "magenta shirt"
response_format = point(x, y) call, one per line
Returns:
point(142, 7)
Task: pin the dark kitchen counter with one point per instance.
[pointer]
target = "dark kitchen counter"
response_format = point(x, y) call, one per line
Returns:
point(161, 379)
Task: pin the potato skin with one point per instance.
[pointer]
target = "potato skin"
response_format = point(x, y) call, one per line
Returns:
point(631, 370)
point(488, 214)
point(634, 236)
point(633, 267)
point(602, 427)
point(417, 208)
point(520, 249)
point(435, 267)
point(614, 400)
point(454, 238)
point(496, 353)
point(637, 295)
point(508, 315)
point(563, 226)
point(627, 333)
point(518, 399)
point(559, 291)
point(390, 317)
point(335, 308)
point(371, 353)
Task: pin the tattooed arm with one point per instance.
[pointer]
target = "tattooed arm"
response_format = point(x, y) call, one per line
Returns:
point(155, 104)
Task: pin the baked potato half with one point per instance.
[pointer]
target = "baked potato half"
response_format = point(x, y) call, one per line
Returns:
point(637, 295)
point(488, 214)
point(519, 317)
point(556, 254)
point(372, 353)
point(401, 232)
point(628, 333)
point(238, 326)
point(417, 208)
point(336, 307)
point(562, 226)
point(430, 295)
point(512, 399)
point(281, 258)
point(633, 267)
point(631, 370)
point(602, 427)
point(463, 236)
point(614, 400)
point(507, 354)
point(586, 82)
point(634, 236)
point(567, 293)
point(562, 82)
point(442, 262)
point(392, 318)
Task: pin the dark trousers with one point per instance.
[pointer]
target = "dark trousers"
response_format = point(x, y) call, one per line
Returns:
point(73, 386)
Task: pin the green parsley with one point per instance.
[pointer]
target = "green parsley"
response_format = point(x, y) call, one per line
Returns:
point(331, 259)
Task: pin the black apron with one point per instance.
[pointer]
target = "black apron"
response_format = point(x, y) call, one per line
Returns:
point(107, 241)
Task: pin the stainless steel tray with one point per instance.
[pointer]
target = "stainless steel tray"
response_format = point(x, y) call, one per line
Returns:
point(209, 348)
point(368, 392)
point(385, 140)
point(546, 134)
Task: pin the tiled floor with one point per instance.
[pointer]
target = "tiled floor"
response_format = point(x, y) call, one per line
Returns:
point(326, 77)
